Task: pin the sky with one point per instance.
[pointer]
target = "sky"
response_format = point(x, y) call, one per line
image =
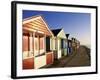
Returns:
point(78, 25)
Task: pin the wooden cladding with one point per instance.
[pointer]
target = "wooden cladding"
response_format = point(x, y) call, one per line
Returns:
point(36, 43)
point(49, 58)
point(28, 63)
point(41, 43)
point(25, 43)
point(38, 25)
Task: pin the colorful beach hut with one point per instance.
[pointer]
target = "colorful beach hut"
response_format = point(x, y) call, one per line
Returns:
point(74, 45)
point(78, 44)
point(36, 43)
point(60, 43)
point(69, 45)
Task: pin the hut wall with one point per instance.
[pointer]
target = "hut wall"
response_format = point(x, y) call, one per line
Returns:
point(59, 48)
point(40, 61)
point(49, 58)
point(28, 63)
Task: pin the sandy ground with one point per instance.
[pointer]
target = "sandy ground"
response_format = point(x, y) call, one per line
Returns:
point(77, 59)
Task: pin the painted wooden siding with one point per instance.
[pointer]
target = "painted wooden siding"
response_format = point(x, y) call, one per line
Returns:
point(38, 25)
point(62, 34)
point(25, 43)
point(39, 61)
point(53, 44)
point(59, 54)
point(28, 63)
point(59, 44)
point(49, 58)
point(41, 43)
point(59, 48)
point(64, 52)
point(26, 47)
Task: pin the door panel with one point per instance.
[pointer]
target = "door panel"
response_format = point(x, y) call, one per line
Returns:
point(49, 58)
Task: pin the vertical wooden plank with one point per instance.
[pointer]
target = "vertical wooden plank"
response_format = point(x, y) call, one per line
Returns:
point(49, 58)
point(28, 63)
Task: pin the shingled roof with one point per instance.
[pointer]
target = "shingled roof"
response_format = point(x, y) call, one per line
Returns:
point(56, 31)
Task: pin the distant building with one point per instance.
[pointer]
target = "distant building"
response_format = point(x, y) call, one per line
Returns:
point(60, 43)
point(74, 45)
point(67, 35)
point(36, 43)
point(70, 50)
point(69, 45)
point(78, 44)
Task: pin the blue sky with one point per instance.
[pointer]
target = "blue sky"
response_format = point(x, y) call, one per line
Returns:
point(75, 24)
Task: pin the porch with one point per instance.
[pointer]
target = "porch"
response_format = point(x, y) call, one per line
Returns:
point(35, 34)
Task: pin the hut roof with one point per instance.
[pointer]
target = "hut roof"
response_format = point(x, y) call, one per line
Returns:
point(56, 31)
point(67, 35)
point(36, 23)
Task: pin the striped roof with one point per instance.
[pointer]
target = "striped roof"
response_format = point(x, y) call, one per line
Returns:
point(36, 23)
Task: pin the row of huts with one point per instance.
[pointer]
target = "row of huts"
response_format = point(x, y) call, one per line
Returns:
point(41, 46)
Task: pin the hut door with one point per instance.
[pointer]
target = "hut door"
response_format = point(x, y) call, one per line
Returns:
point(47, 44)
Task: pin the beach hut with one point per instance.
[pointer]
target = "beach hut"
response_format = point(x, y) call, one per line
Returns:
point(60, 43)
point(36, 43)
point(74, 45)
point(69, 45)
point(78, 44)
